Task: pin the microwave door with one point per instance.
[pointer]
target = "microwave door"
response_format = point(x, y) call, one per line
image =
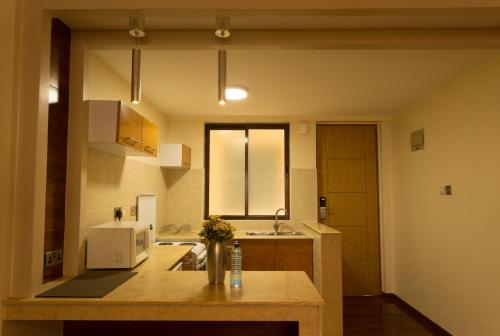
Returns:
point(141, 245)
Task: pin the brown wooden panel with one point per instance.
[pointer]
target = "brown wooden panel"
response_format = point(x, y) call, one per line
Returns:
point(346, 141)
point(149, 143)
point(293, 246)
point(354, 243)
point(55, 193)
point(321, 165)
point(348, 178)
point(346, 209)
point(295, 262)
point(186, 156)
point(257, 254)
point(346, 175)
point(372, 211)
point(129, 127)
point(354, 277)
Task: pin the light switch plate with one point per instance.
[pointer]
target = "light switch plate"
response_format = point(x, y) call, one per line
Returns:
point(446, 190)
point(133, 210)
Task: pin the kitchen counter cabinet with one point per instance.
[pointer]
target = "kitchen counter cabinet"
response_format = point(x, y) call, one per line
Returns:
point(275, 255)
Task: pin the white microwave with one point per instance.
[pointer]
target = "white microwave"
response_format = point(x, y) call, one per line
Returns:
point(117, 245)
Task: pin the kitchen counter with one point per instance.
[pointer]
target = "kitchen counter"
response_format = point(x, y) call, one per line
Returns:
point(189, 236)
point(158, 294)
point(163, 258)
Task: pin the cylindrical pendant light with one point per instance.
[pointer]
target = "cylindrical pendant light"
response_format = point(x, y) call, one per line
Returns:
point(135, 81)
point(222, 25)
point(222, 76)
point(136, 30)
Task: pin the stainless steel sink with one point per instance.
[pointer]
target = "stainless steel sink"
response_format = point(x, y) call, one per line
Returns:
point(272, 233)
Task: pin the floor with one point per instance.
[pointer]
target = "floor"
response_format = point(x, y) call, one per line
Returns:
point(379, 315)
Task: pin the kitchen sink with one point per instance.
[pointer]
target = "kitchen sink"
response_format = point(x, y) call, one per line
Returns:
point(272, 233)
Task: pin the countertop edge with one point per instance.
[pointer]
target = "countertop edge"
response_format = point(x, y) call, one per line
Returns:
point(321, 228)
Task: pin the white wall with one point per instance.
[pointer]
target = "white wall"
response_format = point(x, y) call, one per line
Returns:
point(447, 251)
point(191, 133)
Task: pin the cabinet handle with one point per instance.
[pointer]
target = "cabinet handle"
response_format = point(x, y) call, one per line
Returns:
point(150, 149)
point(132, 141)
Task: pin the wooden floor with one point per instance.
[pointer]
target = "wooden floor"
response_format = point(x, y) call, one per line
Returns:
point(380, 315)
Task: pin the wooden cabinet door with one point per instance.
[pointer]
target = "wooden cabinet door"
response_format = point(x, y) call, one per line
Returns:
point(294, 262)
point(129, 127)
point(149, 137)
point(258, 254)
point(294, 255)
point(275, 255)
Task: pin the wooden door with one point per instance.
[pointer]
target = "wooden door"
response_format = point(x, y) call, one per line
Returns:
point(129, 127)
point(149, 137)
point(348, 178)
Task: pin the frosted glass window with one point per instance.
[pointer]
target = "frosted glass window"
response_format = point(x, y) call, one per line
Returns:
point(266, 171)
point(246, 170)
point(227, 173)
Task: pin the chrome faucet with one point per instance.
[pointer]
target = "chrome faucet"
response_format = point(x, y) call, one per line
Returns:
point(276, 223)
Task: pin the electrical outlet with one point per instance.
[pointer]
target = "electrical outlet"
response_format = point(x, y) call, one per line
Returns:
point(133, 210)
point(52, 258)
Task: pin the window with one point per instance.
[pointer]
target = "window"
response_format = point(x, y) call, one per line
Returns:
point(246, 170)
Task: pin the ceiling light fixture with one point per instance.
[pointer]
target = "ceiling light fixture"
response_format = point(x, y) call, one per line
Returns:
point(222, 77)
point(136, 30)
point(236, 93)
point(222, 32)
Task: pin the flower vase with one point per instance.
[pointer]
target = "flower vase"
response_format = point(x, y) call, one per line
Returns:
point(216, 262)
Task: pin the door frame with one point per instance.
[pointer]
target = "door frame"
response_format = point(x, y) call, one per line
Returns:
point(384, 183)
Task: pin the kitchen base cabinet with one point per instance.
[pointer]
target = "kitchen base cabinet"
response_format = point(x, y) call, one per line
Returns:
point(275, 255)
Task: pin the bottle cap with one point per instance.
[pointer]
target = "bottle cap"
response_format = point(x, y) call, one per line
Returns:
point(236, 243)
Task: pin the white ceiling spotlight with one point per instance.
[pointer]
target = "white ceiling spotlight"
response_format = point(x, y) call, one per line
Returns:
point(236, 93)
point(222, 25)
point(136, 30)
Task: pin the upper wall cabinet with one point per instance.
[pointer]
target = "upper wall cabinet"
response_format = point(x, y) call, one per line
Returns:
point(176, 156)
point(149, 137)
point(116, 128)
point(129, 127)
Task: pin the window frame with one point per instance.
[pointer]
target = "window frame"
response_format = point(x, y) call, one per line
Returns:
point(246, 127)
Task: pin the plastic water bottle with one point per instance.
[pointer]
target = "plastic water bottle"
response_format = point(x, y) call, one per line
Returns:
point(236, 257)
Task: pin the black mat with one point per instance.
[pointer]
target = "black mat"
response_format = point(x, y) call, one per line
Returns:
point(92, 284)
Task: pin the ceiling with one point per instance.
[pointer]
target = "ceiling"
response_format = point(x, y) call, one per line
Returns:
point(287, 82)
point(324, 19)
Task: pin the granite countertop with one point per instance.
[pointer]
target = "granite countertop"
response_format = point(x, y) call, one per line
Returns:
point(320, 228)
point(154, 286)
point(238, 235)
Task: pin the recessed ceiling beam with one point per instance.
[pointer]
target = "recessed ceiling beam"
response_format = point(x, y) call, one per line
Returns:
point(299, 39)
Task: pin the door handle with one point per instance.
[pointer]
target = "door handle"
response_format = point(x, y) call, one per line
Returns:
point(323, 211)
point(150, 149)
point(131, 141)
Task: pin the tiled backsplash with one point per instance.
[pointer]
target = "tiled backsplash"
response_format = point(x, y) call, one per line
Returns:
point(115, 181)
point(185, 200)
